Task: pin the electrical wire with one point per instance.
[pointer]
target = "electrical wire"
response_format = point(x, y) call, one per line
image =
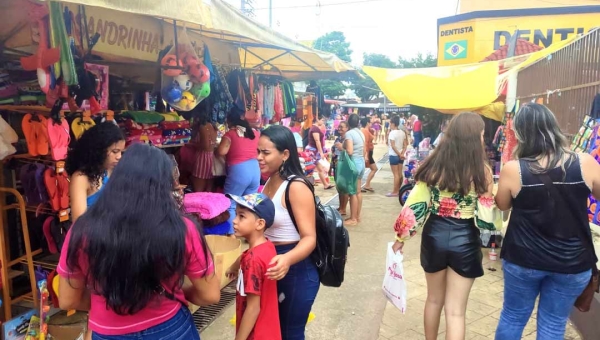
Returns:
point(322, 4)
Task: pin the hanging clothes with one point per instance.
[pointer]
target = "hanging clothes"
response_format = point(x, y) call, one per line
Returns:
point(511, 142)
point(290, 99)
point(220, 98)
point(278, 104)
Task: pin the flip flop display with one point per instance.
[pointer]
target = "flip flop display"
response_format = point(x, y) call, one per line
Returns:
point(59, 136)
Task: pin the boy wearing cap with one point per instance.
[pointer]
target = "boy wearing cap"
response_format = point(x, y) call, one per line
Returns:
point(257, 311)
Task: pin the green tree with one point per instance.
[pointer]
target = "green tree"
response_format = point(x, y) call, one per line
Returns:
point(333, 42)
point(420, 61)
point(366, 89)
point(332, 88)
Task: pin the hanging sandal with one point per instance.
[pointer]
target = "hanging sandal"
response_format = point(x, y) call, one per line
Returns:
point(63, 189)
point(52, 187)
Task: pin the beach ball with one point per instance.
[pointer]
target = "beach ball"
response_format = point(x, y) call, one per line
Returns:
point(170, 60)
point(201, 90)
point(172, 94)
point(205, 74)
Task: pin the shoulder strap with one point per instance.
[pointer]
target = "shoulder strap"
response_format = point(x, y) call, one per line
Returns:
point(562, 197)
point(288, 204)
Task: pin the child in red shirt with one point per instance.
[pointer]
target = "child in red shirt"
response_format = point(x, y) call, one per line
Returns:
point(257, 308)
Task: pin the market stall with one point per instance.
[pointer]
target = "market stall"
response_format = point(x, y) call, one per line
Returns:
point(151, 70)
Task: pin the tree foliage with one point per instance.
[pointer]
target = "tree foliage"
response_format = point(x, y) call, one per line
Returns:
point(366, 89)
point(420, 61)
point(332, 88)
point(334, 42)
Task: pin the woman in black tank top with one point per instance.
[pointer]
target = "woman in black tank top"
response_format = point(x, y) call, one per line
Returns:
point(546, 251)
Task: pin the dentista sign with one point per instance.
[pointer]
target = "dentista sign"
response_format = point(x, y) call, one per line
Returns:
point(471, 37)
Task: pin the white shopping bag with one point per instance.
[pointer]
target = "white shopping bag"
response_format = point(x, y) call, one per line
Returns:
point(394, 285)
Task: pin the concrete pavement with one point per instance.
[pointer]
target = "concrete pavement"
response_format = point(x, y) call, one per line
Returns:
point(359, 311)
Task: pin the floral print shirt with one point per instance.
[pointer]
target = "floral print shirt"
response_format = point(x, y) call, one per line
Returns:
point(424, 200)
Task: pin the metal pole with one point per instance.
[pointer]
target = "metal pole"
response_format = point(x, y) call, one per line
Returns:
point(270, 13)
point(384, 104)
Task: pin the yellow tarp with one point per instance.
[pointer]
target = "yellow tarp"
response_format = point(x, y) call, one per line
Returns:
point(454, 89)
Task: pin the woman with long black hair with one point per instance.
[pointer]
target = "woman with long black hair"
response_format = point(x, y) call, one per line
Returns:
point(90, 163)
point(125, 258)
point(238, 146)
point(297, 274)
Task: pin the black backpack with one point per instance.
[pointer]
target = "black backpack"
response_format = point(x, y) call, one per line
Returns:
point(331, 252)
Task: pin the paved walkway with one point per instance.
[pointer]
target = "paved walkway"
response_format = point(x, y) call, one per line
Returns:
point(359, 311)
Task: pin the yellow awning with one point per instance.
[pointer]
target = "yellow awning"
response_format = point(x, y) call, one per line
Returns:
point(454, 89)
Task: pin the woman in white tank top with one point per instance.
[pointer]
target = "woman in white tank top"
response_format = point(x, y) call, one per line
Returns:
point(297, 275)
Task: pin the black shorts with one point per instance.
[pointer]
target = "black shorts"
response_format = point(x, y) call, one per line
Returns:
point(371, 160)
point(451, 242)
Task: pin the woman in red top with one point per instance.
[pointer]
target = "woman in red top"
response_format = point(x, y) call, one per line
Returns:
point(125, 258)
point(239, 146)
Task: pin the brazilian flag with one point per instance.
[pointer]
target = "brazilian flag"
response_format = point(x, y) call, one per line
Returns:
point(455, 50)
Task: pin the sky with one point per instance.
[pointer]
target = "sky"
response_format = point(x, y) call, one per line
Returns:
point(390, 27)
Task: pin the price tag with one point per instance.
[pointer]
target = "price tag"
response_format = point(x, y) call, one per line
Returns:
point(63, 215)
point(60, 167)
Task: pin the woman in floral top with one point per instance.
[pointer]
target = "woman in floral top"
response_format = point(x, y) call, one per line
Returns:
point(452, 197)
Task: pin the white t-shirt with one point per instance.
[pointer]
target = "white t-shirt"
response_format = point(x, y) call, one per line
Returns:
point(397, 137)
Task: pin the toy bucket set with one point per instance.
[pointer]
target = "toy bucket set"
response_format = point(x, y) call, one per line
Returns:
point(185, 78)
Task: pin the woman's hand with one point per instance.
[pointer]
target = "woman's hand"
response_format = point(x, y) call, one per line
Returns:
point(279, 268)
point(397, 247)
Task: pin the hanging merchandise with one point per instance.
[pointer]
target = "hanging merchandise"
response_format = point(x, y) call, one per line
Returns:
point(45, 56)
point(66, 44)
point(240, 91)
point(510, 142)
point(185, 79)
point(36, 134)
point(59, 137)
point(220, 98)
point(253, 111)
point(582, 140)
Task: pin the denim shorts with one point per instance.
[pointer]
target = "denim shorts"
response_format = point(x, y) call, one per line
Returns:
point(360, 166)
point(395, 160)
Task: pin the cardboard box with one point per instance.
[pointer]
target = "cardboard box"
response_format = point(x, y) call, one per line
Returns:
point(67, 332)
point(226, 251)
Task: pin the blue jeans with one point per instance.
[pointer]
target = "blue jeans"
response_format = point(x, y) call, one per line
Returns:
point(557, 292)
point(297, 292)
point(242, 179)
point(179, 327)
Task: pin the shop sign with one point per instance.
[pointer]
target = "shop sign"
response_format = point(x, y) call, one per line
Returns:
point(123, 35)
point(539, 37)
point(480, 37)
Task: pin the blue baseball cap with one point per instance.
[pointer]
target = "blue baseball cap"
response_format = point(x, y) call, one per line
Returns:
point(258, 203)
